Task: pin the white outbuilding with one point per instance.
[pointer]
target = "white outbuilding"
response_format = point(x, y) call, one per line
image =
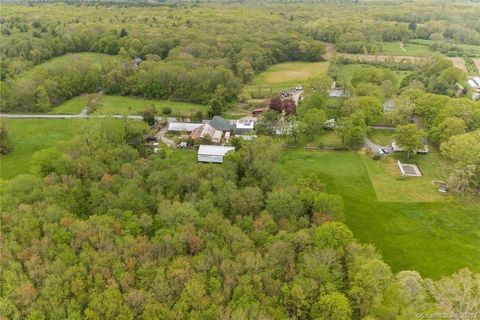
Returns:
point(212, 154)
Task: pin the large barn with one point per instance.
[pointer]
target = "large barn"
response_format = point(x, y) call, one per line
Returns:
point(213, 154)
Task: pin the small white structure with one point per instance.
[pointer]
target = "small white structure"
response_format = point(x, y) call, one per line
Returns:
point(337, 93)
point(212, 154)
point(388, 106)
point(244, 125)
point(477, 80)
point(472, 83)
point(183, 126)
point(329, 124)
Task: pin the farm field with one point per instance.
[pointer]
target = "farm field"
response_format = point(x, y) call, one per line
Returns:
point(408, 49)
point(283, 76)
point(31, 135)
point(90, 57)
point(434, 238)
point(121, 105)
point(345, 72)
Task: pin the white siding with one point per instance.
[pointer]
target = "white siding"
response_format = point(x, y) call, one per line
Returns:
point(210, 159)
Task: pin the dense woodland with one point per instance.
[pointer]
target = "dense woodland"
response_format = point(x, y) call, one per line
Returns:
point(189, 55)
point(103, 229)
point(102, 232)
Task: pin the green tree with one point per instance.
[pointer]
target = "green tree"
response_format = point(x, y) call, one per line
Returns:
point(353, 130)
point(409, 137)
point(313, 123)
point(42, 100)
point(6, 144)
point(331, 306)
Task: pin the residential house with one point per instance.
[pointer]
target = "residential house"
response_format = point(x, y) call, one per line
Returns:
point(217, 130)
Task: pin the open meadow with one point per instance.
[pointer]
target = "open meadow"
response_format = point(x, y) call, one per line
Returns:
point(405, 49)
point(433, 237)
point(283, 76)
point(130, 105)
point(93, 58)
point(31, 135)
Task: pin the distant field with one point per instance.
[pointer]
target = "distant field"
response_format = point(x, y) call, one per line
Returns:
point(468, 48)
point(345, 72)
point(121, 105)
point(92, 57)
point(408, 49)
point(31, 135)
point(435, 238)
point(283, 76)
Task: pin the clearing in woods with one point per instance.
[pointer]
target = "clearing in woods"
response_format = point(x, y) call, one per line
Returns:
point(283, 76)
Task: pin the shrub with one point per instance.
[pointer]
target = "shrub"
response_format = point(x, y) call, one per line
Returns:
point(166, 110)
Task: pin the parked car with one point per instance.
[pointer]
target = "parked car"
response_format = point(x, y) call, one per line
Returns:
point(380, 152)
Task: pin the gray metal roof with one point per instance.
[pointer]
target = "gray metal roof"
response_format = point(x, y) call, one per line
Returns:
point(214, 150)
point(183, 126)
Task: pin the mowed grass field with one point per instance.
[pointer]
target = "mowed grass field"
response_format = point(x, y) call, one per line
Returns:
point(31, 135)
point(408, 49)
point(435, 238)
point(122, 105)
point(72, 106)
point(283, 76)
point(345, 72)
point(94, 58)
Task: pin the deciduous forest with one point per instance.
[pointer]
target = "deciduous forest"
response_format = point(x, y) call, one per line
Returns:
point(109, 215)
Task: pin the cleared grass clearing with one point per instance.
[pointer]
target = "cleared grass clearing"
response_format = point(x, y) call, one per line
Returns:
point(121, 105)
point(407, 49)
point(390, 186)
point(434, 238)
point(284, 76)
point(90, 57)
point(30, 136)
point(290, 72)
point(131, 105)
point(72, 106)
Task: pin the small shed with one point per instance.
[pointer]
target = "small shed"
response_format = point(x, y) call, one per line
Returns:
point(213, 154)
point(388, 106)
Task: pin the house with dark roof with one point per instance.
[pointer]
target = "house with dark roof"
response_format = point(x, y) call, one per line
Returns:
point(220, 124)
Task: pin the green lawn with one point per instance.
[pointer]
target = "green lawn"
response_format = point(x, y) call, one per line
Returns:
point(390, 186)
point(72, 106)
point(91, 57)
point(381, 137)
point(409, 49)
point(118, 105)
point(122, 105)
point(434, 238)
point(31, 135)
point(284, 76)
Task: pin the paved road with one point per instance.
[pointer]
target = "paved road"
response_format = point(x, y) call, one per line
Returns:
point(161, 135)
point(68, 116)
